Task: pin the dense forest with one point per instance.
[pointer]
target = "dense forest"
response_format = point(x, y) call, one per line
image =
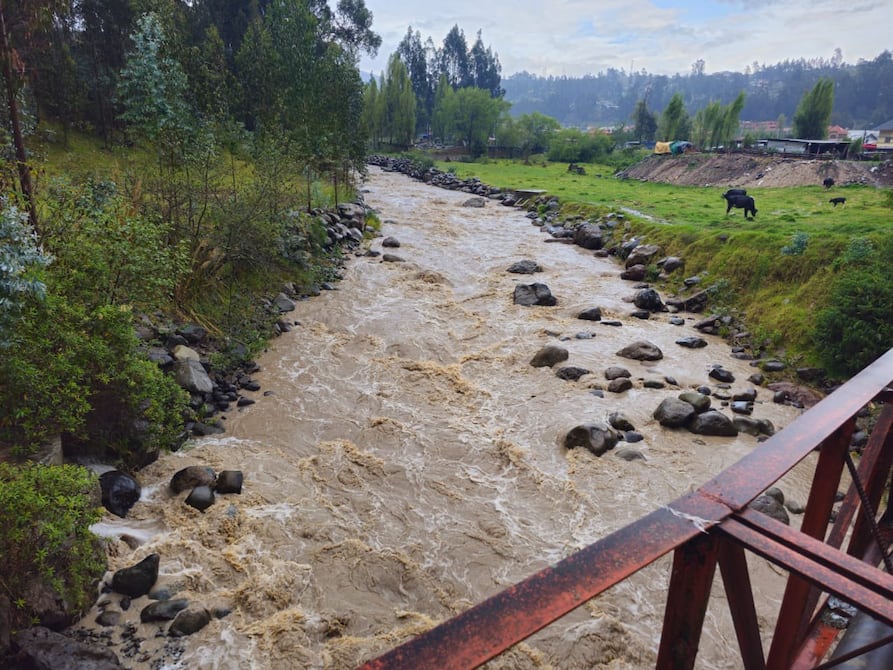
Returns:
point(863, 93)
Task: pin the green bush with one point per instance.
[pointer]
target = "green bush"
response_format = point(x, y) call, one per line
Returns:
point(66, 364)
point(855, 329)
point(45, 515)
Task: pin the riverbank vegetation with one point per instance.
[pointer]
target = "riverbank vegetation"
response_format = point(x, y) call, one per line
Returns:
point(809, 279)
point(166, 164)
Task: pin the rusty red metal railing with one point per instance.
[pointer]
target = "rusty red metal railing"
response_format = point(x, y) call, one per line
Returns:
point(713, 526)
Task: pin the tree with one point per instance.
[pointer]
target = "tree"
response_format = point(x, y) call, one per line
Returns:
point(21, 23)
point(473, 113)
point(399, 103)
point(441, 121)
point(715, 126)
point(537, 131)
point(645, 122)
point(675, 123)
point(454, 59)
point(413, 55)
point(102, 43)
point(152, 85)
point(814, 111)
point(485, 70)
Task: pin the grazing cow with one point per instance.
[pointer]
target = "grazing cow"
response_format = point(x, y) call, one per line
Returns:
point(828, 183)
point(739, 201)
point(837, 201)
point(734, 191)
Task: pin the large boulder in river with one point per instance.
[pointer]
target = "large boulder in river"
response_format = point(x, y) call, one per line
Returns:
point(673, 412)
point(641, 351)
point(120, 492)
point(548, 356)
point(534, 294)
point(136, 580)
point(648, 298)
point(229, 481)
point(525, 267)
point(712, 422)
point(189, 622)
point(597, 437)
point(588, 236)
point(591, 314)
point(192, 476)
point(772, 507)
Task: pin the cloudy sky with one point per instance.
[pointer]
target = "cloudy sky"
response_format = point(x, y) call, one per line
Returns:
point(578, 37)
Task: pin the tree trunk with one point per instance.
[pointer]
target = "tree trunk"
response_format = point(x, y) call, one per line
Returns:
point(15, 121)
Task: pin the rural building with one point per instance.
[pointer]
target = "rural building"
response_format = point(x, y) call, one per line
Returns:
point(885, 136)
point(837, 148)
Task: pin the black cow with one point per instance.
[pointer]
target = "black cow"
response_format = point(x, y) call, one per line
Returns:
point(837, 201)
point(739, 201)
point(734, 191)
point(828, 183)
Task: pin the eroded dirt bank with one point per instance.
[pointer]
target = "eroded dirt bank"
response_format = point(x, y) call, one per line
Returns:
point(752, 170)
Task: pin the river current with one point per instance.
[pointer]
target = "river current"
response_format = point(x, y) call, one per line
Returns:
point(404, 461)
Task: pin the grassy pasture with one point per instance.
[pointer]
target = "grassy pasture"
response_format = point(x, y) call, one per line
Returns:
point(778, 270)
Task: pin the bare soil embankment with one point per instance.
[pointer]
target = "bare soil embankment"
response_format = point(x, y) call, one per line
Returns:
point(754, 170)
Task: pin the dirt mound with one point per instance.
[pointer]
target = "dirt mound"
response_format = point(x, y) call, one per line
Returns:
point(753, 170)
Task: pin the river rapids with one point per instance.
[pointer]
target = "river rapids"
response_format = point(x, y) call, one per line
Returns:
point(404, 461)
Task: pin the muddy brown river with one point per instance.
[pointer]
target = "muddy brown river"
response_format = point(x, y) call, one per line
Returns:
point(404, 461)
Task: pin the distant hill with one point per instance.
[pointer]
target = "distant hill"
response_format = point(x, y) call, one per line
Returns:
point(861, 97)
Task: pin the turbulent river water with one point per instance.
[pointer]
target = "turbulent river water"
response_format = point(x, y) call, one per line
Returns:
point(404, 461)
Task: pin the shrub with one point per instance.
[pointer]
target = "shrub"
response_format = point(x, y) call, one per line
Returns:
point(20, 257)
point(65, 363)
point(854, 329)
point(799, 242)
point(45, 515)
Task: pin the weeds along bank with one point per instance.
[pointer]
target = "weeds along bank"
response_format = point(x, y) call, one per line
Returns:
point(810, 280)
point(128, 321)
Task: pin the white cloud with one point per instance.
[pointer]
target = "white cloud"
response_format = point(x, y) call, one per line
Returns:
point(577, 37)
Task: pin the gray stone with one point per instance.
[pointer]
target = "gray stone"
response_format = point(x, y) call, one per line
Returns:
point(597, 437)
point(648, 299)
point(43, 649)
point(641, 351)
point(619, 421)
point(283, 303)
point(771, 507)
point(620, 385)
point(529, 295)
point(571, 373)
point(189, 622)
point(192, 476)
point(136, 580)
point(699, 401)
point(673, 412)
point(201, 498)
point(591, 314)
point(525, 268)
point(712, 422)
point(163, 610)
point(720, 374)
point(229, 481)
point(548, 356)
point(190, 375)
point(692, 342)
